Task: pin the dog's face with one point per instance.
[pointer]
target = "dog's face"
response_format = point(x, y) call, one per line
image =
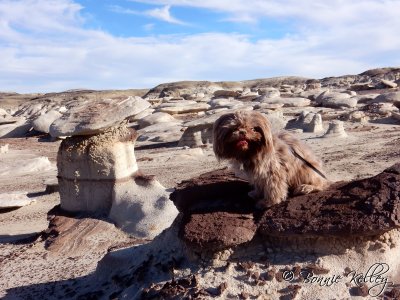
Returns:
point(241, 135)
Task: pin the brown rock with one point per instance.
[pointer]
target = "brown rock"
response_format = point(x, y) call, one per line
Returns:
point(217, 231)
point(218, 190)
point(364, 207)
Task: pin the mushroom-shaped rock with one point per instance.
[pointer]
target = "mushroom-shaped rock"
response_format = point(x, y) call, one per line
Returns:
point(96, 116)
point(98, 174)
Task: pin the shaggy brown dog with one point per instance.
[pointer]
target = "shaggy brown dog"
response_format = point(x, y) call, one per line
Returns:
point(275, 164)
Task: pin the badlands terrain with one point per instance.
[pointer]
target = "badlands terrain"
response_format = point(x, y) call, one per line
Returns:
point(352, 122)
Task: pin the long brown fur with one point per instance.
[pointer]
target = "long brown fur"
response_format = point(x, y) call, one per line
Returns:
point(246, 140)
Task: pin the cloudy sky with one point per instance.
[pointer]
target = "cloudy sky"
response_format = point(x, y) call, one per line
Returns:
point(56, 45)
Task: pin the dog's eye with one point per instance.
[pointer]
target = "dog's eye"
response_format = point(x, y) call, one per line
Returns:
point(257, 129)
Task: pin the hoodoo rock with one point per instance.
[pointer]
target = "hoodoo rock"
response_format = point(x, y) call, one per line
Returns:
point(99, 175)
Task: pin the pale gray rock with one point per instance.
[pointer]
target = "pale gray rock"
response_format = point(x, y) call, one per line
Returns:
point(335, 130)
point(225, 103)
point(155, 118)
point(268, 105)
point(357, 117)
point(276, 118)
point(307, 122)
point(287, 102)
point(386, 109)
point(313, 94)
point(190, 108)
point(142, 207)
point(96, 116)
point(43, 122)
point(389, 83)
point(366, 98)
point(4, 149)
point(393, 97)
point(3, 113)
point(269, 92)
point(7, 119)
point(27, 166)
point(141, 115)
point(161, 132)
point(15, 200)
point(336, 100)
point(15, 129)
point(199, 132)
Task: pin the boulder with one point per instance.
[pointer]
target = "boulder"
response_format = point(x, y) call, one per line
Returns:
point(156, 118)
point(95, 117)
point(43, 122)
point(336, 100)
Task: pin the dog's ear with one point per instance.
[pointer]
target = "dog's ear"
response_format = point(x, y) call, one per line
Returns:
point(222, 126)
point(263, 124)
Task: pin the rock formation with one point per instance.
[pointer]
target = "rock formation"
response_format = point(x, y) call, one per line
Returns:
point(98, 174)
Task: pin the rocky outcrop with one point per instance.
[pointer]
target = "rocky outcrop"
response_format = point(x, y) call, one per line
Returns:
point(218, 213)
point(367, 207)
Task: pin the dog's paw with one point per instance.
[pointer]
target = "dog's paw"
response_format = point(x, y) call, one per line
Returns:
point(305, 189)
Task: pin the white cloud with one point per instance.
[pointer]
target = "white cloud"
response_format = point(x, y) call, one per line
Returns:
point(44, 47)
point(162, 13)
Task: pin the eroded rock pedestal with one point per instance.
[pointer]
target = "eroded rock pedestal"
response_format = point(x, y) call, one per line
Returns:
point(98, 174)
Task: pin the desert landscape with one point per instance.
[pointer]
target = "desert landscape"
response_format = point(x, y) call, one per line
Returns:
point(117, 194)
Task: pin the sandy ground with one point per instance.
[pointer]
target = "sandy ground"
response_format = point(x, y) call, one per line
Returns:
point(24, 260)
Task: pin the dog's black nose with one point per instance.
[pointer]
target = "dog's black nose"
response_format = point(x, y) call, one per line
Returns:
point(242, 131)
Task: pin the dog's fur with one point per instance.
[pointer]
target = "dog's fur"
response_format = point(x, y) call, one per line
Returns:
point(268, 160)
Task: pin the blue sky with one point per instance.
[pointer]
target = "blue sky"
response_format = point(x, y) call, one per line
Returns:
point(56, 45)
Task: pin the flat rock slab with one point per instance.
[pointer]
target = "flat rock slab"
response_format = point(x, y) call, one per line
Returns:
point(14, 200)
point(217, 230)
point(218, 190)
point(190, 108)
point(96, 116)
point(364, 207)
